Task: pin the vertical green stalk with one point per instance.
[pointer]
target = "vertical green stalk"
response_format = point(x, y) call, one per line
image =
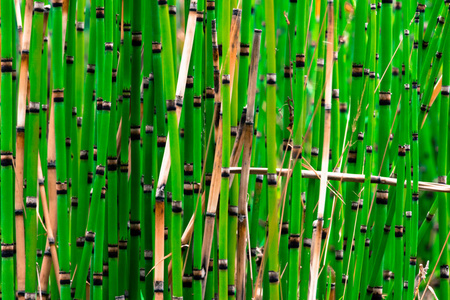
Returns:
point(124, 195)
point(148, 151)
point(177, 197)
point(384, 129)
point(86, 145)
point(32, 144)
point(197, 139)
point(135, 178)
point(415, 164)
point(61, 172)
point(76, 146)
point(7, 169)
point(442, 172)
point(272, 242)
point(296, 204)
point(69, 94)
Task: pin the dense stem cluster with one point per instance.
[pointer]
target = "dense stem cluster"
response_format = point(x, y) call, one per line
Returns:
point(253, 149)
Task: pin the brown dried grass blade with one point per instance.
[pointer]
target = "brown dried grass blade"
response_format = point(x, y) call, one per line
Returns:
point(247, 136)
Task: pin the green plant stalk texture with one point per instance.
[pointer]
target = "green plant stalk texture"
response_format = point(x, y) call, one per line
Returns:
point(32, 144)
point(177, 197)
point(7, 171)
point(61, 172)
point(272, 239)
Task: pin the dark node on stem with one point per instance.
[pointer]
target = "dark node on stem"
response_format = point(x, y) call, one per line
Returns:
point(199, 16)
point(161, 141)
point(420, 7)
point(98, 279)
point(188, 189)
point(147, 188)
point(382, 197)
point(285, 228)
point(225, 172)
point(271, 179)
point(105, 269)
point(442, 179)
point(123, 244)
point(6, 65)
point(106, 106)
point(61, 188)
point(135, 228)
point(352, 156)
point(223, 264)
point(148, 254)
point(387, 228)
point(159, 287)
point(385, 98)
point(271, 79)
point(64, 278)
point(38, 7)
point(307, 243)
point(344, 279)
point(170, 104)
point(100, 13)
point(339, 255)
point(210, 5)
point(445, 90)
point(231, 290)
point(413, 260)
point(188, 169)
point(80, 242)
point(367, 243)
point(444, 272)
point(294, 242)
point(387, 275)
point(109, 47)
point(172, 10)
point(90, 236)
point(273, 277)
point(74, 201)
point(18, 212)
point(176, 207)
point(156, 47)
point(357, 70)
point(6, 158)
point(399, 231)
point(343, 107)
point(197, 101)
point(395, 71)
point(232, 211)
point(363, 229)
point(135, 133)
point(100, 170)
point(7, 250)
point(58, 95)
point(401, 150)
point(198, 274)
point(360, 136)
point(300, 60)
point(226, 79)
point(69, 60)
point(377, 293)
point(90, 177)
